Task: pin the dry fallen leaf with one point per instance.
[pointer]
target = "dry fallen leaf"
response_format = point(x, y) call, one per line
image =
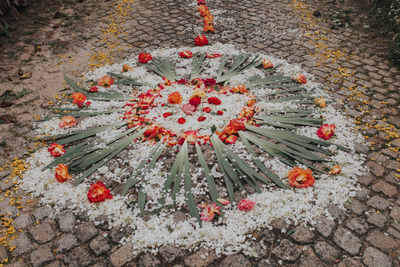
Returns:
point(26, 75)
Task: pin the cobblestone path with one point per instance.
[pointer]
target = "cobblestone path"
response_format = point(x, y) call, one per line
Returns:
point(72, 36)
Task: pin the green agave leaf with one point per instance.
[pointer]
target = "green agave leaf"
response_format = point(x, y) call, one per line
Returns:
point(141, 200)
point(290, 98)
point(207, 173)
point(126, 80)
point(272, 176)
point(197, 64)
point(86, 114)
point(221, 66)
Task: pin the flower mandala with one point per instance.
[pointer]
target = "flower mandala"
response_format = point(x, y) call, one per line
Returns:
point(179, 147)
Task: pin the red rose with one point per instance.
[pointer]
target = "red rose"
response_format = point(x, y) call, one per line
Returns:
point(144, 57)
point(201, 118)
point(186, 54)
point(78, 99)
point(181, 120)
point(246, 205)
point(93, 89)
point(207, 109)
point(210, 82)
point(98, 193)
point(220, 112)
point(56, 150)
point(167, 114)
point(195, 101)
point(326, 131)
point(237, 125)
point(201, 40)
point(214, 100)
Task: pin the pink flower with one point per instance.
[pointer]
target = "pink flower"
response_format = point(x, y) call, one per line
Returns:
point(209, 212)
point(189, 108)
point(246, 205)
point(223, 201)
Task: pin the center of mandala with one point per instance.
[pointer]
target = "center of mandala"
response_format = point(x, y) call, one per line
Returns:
point(192, 110)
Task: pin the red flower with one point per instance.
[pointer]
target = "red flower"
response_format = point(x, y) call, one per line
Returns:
point(201, 40)
point(246, 205)
point(241, 88)
point(237, 125)
point(210, 82)
point(300, 78)
point(98, 193)
point(93, 89)
point(167, 114)
point(144, 57)
point(214, 100)
point(203, 10)
point(186, 54)
point(181, 120)
point(213, 55)
point(301, 178)
point(56, 150)
point(326, 131)
point(182, 81)
point(105, 81)
point(78, 98)
point(267, 64)
point(191, 136)
point(251, 102)
point(207, 109)
point(231, 139)
point(189, 109)
point(195, 101)
point(175, 98)
point(201, 2)
point(62, 173)
point(201, 119)
point(220, 112)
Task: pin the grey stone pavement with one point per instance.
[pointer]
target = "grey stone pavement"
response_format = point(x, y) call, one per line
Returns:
point(57, 38)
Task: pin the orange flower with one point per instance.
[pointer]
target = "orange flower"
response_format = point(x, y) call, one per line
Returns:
point(144, 57)
point(267, 64)
point(203, 9)
point(231, 139)
point(209, 28)
point(98, 193)
point(67, 122)
point(62, 173)
point(199, 93)
point(191, 136)
point(215, 55)
point(326, 131)
point(301, 178)
point(56, 150)
point(78, 98)
point(241, 88)
point(175, 98)
point(335, 170)
point(155, 132)
point(320, 101)
point(105, 81)
point(237, 125)
point(246, 112)
point(201, 40)
point(126, 68)
point(300, 78)
point(251, 102)
point(208, 19)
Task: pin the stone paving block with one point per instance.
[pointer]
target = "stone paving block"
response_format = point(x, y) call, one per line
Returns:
point(171, 253)
point(237, 260)
point(395, 213)
point(23, 245)
point(65, 243)
point(387, 189)
point(3, 253)
point(374, 257)
point(201, 258)
point(149, 260)
point(17, 264)
point(42, 233)
point(382, 241)
point(78, 256)
point(42, 212)
point(86, 231)
point(325, 226)
point(99, 245)
point(286, 250)
point(124, 255)
point(378, 202)
point(302, 235)
point(377, 219)
point(326, 252)
point(357, 207)
point(66, 221)
point(347, 241)
point(41, 256)
point(349, 262)
point(54, 264)
point(23, 221)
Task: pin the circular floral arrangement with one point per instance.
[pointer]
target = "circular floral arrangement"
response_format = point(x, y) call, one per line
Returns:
point(194, 146)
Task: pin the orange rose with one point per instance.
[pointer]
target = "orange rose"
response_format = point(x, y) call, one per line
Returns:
point(56, 150)
point(98, 193)
point(301, 178)
point(175, 98)
point(231, 139)
point(208, 19)
point(237, 125)
point(62, 173)
point(229, 130)
point(203, 9)
point(241, 88)
point(78, 98)
point(191, 136)
point(67, 122)
point(105, 81)
point(335, 170)
point(209, 28)
point(267, 64)
point(251, 102)
point(300, 78)
point(320, 101)
point(126, 68)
